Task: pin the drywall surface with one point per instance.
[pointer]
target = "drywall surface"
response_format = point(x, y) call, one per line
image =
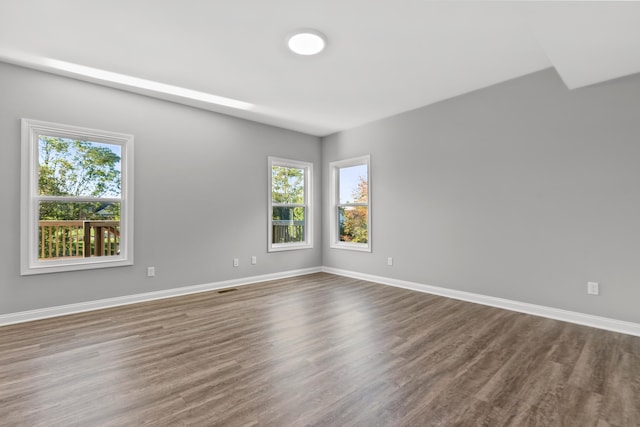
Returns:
point(524, 190)
point(200, 191)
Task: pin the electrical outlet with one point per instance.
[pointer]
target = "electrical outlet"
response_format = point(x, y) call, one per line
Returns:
point(390, 261)
point(593, 288)
point(236, 262)
point(151, 271)
point(254, 260)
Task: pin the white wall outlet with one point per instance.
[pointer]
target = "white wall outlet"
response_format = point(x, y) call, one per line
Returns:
point(390, 261)
point(593, 288)
point(236, 262)
point(254, 260)
point(151, 271)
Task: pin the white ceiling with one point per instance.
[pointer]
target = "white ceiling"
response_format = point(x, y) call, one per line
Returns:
point(383, 57)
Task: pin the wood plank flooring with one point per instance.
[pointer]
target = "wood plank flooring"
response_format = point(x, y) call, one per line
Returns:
point(317, 350)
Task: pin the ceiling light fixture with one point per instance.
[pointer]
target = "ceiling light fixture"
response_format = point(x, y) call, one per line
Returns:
point(307, 42)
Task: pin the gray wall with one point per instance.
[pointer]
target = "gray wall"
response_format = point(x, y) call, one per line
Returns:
point(523, 190)
point(200, 191)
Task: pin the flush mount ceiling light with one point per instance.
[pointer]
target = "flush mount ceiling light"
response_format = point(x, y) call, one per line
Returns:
point(307, 42)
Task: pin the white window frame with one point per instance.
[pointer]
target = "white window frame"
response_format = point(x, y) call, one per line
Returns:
point(334, 173)
point(308, 205)
point(29, 262)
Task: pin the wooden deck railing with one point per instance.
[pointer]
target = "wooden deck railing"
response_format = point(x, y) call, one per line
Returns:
point(286, 231)
point(82, 239)
point(78, 239)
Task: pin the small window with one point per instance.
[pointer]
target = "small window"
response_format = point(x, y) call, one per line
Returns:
point(77, 210)
point(351, 204)
point(290, 225)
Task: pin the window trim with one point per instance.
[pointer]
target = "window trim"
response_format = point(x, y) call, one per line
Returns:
point(308, 205)
point(29, 262)
point(334, 168)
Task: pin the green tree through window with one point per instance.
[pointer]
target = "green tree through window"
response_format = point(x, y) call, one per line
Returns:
point(350, 215)
point(289, 205)
point(354, 221)
point(76, 199)
point(78, 168)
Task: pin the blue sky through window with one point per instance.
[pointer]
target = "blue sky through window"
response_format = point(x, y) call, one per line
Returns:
point(348, 179)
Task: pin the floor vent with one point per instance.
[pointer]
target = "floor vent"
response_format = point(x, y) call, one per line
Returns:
point(224, 291)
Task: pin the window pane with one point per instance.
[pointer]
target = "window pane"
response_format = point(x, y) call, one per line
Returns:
point(79, 211)
point(352, 223)
point(288, 224)
point(78, 230)
point(68, 167)
point(287, 185)
point(354, 184)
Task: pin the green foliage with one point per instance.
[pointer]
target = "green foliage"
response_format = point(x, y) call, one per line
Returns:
point(287, 185)
point(77, 168)
point(66, 211)
point(283, 213)
point(354, 220)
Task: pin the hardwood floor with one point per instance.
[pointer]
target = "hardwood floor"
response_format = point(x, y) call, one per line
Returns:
point(317, 350)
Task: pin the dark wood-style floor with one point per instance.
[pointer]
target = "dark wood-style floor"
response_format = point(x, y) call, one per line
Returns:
point(315, 350)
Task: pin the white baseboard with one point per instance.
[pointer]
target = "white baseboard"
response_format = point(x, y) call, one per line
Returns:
point(537, 310)
point(27, 316)
point(614, 325)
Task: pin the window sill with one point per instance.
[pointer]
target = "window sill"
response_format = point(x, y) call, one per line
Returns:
point(279, 247)
point(61, 266)
point(358, 247)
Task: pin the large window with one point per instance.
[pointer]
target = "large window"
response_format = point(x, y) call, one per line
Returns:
point(290, 225)
point(77, 210)
point(351, 204)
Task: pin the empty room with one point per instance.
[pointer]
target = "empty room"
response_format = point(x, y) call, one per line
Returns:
point(319, 213)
